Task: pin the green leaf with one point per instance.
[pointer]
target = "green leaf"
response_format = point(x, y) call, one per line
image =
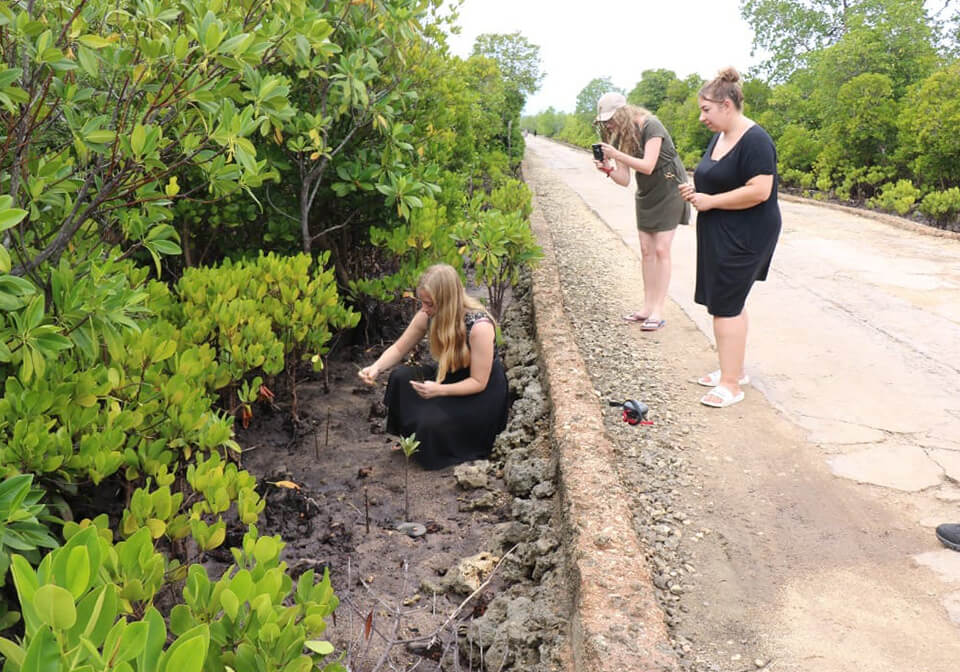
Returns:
point(138, 138)
point(88, 61)
point(43, 654)
point(94, 41)
point(230, 603)
point(156, 637)
point(55, 607)
point(188, 653)
point(319, 646)
point(78, 571)
point(25, 580)
point(100, 137)
point(11, 217)
point(96, 614)
point(12, 652)
point(132, 641)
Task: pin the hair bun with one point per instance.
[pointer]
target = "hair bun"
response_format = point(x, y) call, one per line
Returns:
point(729, 74)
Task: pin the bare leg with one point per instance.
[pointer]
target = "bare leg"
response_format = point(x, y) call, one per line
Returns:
point(662, 241)
point(731, 335)
point(648, 267)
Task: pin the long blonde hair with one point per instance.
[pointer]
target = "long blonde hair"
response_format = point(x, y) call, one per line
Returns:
point(448, 334)
point(625, 134)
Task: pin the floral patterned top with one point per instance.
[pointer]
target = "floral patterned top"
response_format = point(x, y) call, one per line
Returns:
point(471, 318)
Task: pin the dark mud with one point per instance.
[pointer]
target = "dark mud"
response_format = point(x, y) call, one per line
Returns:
point(480, 587)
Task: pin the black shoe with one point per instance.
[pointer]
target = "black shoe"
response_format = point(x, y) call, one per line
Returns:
point(949, 535)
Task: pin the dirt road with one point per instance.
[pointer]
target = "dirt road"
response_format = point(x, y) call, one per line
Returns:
point(799, 523)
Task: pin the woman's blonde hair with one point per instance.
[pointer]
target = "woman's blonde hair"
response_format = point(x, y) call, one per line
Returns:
point(725, 86)
point(625, 133)
point(448, 334)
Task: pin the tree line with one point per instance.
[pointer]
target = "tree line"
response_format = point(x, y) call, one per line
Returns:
point(862, 98)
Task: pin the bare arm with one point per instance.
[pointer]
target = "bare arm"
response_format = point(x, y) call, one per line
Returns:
point(393, 355)
point(482, 336)
point(646, 165)
point(757, 190)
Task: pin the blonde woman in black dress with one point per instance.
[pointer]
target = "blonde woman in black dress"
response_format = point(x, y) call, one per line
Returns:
point(457, 415)
point(738, 224)
point(635, 138)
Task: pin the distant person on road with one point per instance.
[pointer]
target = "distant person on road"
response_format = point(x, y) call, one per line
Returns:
point(738, 224)
point(949, 535)
point(457, 406)
point(634, 138)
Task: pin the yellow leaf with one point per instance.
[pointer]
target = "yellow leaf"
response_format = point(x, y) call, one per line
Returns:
point(172, 188)
point(315, 156)
point(289, 485)
point(277, 136)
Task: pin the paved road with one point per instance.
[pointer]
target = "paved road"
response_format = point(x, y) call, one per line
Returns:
point(855, 334)
point(855, 341)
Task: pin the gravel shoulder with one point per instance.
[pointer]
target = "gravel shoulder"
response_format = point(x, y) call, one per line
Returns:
point(761, 558)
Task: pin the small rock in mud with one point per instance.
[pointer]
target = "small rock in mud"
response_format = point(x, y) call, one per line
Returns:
point(472, 475)
point(412, 529)
point(469, 573)
point(487, 500)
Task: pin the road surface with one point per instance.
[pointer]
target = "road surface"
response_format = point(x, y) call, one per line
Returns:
point(855, 347)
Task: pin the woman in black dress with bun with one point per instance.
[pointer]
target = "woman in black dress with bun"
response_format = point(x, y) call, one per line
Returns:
point(738, 223)
point(457, 415)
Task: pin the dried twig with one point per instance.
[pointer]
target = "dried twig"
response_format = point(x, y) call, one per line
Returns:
point(390, 640)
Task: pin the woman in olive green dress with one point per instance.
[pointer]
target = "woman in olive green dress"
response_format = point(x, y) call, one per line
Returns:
point(634, 138)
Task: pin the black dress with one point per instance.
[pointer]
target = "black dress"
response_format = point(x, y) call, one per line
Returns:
point(734, 247)
point(450, 430)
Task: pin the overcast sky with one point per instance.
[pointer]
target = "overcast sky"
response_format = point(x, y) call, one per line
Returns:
point(583, 39)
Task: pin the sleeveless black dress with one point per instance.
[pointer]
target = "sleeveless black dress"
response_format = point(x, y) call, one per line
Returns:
point(450, 430)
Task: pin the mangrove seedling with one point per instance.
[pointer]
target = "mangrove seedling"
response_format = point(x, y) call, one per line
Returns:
point(409, 445)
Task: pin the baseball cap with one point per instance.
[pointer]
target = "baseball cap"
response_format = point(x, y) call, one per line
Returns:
point(608, 104)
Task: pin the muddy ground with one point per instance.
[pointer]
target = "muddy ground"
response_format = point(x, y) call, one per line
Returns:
point(479, 588)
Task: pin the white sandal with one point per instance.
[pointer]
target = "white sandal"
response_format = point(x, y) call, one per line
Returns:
point(727, 398)
point(712, 379)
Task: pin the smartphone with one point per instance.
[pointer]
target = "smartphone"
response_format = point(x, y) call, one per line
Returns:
point(597, 151)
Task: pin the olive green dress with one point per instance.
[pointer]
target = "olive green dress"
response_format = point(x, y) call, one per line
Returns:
point(659, 205)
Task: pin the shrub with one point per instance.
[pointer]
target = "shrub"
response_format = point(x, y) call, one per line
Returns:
point(513, 196)
point(264, 314)
point(942, 206)
point(88, 606)
point(896, 196)
point(500, 246)
point(798, 178)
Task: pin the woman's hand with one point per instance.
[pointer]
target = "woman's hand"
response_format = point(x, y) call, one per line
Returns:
point(603, 167)
point(609, 151)
point(369, 374)
point(427, 389)
point(702, 202)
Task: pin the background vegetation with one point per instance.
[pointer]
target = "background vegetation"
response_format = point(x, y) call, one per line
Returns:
point(862, 98)
point(196, 196)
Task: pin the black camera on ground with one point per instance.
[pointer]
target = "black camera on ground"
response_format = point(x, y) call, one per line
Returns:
point(634, 412)
point(597, 151)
